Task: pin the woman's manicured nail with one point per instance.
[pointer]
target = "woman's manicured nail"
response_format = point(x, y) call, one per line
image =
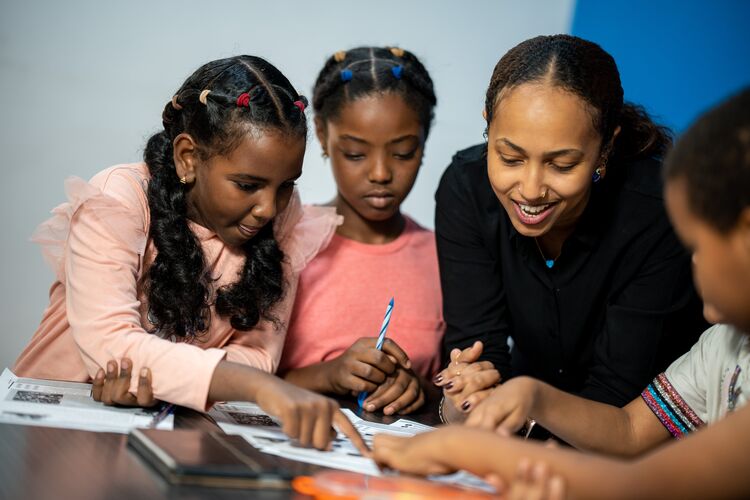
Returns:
point(449, 385)
point(465, 406)
point(144, 372)
point(437, 378)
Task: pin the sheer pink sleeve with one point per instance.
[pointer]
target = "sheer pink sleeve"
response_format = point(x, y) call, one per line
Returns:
point(113, 216)
point(99, 262)
point(303, 231)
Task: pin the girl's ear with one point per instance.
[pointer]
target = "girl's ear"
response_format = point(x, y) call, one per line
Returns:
point(185, 157)
point(321, 132)
point(484, 114)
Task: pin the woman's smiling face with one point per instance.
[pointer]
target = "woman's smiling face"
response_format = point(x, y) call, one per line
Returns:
point(541, 156)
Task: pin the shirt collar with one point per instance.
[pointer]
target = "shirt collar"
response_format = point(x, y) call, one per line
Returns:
point(201, 232)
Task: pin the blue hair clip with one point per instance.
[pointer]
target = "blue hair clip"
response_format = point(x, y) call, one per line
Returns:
point(346, 75)
point(397, 72)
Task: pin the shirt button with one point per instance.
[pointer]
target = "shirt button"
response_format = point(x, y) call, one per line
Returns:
point(560, 371)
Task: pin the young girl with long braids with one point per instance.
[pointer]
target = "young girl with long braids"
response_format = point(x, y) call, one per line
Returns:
point(373, 111)
point(187, 264)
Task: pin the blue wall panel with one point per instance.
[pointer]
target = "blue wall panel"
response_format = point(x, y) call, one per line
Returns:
point(677, 58)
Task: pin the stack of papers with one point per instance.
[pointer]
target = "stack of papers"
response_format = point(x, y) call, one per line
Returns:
point(264, 433)
point(68, 405)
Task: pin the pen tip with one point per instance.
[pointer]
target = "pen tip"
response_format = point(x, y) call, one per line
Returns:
point(391, 302)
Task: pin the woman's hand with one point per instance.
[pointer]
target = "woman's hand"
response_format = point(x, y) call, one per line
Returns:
point(306, 416)
point(362, 367)
point(400, 393)
point(466, 381)
point(507, 407)
point(423, 454)
point(113, 388)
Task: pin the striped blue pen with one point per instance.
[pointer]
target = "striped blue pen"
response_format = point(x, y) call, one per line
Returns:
point(378, 345)
point(165, 410)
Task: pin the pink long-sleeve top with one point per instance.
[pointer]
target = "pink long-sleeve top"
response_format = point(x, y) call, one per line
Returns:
point(99, 248)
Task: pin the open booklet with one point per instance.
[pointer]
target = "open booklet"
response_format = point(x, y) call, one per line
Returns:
point(264, 433)
point(52, 403)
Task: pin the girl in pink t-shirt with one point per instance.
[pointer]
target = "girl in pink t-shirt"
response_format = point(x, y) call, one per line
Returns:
point(373, 110)
point(187, 264)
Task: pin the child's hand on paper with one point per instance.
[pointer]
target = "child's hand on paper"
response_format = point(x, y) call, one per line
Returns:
point(422, 454)
point(401, 392)
point(466, 381)
point(507, 408)
point(363, 368)
point(113, 387)
point(308, 417)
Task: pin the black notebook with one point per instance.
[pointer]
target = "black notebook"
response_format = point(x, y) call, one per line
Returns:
point(195, 457)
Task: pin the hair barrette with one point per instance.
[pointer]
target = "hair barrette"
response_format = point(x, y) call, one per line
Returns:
point(176, 105)
point(203, 96)
point(397, 72)
point(396, 51)
point(346, 75)
point(339, 56)
point(300, 104)
point(243, 100)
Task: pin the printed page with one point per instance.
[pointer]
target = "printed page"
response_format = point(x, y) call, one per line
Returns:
point(264, 432)
point(69, 405)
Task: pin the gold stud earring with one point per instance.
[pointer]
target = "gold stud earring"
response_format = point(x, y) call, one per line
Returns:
point(324, 155)
point(183, 180)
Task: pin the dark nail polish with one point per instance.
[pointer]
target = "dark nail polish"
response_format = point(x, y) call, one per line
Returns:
point(465, 406)
point(449, 385)
point(438, 378)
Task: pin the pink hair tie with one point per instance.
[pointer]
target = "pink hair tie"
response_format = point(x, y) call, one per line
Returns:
point(300, 105)
point(243, 100)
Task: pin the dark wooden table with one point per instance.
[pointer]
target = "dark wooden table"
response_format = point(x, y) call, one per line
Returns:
point(43, 462)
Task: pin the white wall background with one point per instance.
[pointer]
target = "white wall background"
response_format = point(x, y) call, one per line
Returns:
point(83, 83)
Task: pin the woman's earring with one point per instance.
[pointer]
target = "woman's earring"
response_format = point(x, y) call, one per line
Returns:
point(597, 175)
point(324, 155)
point(183, 180)
point(600, 170)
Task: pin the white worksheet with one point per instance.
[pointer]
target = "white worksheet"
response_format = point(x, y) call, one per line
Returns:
point(52, 403)
point(264, 433)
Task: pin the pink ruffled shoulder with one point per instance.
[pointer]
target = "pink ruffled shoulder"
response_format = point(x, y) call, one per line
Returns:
point(115, 218)
point(304, 230)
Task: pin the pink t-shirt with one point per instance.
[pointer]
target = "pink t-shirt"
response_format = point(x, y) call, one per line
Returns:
point(343, 294)
point(99, 247)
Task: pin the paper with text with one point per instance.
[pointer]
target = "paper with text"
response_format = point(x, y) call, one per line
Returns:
point(52, 403)
point(264, 432)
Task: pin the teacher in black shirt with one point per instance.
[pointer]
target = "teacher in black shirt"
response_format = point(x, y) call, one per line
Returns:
point(554, 234)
